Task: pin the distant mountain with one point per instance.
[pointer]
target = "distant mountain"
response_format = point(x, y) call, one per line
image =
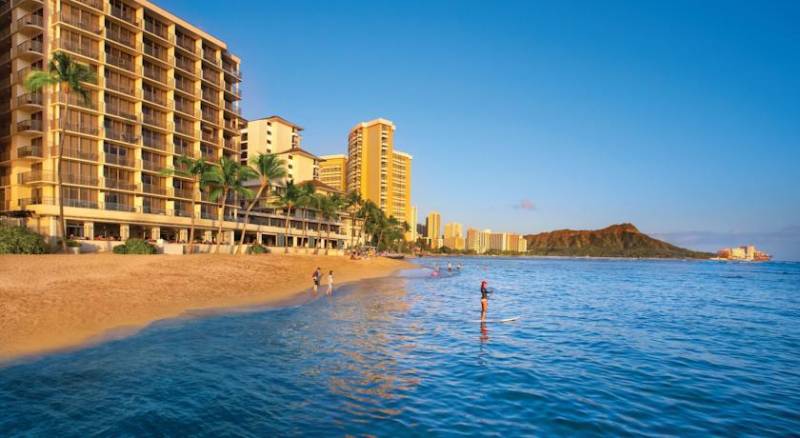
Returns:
point(622, 240)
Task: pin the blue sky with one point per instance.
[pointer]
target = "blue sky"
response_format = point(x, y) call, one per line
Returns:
point(681, 117)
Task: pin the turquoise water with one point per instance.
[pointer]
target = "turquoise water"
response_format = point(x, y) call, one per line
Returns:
point(602, 348)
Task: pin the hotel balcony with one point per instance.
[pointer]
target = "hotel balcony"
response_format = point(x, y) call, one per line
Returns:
point(118, 87)
point(30, 127)
point(119, 135)
point(160, 57)
point(80, 128)
point(91, 26)
point(183, 193)
point(210, 57)
point(180, 212)
point(187, 87)
point(159, 75)
point(233, 89)
point(187, 66)
point(231, 125)
point(30, 24)
point(158, 121)
point(153, 165)
point(233, 71)
point(36, 177)
point(38, 200)
point(186, 129)
point(77, 100)
point(123, 39)
point(82, 49)
point(118, 184)
point(210, 137)
point(120, 111)
point(99, 5)
point(73, 152)
point(80, 203)
point(188, 45)
point(154, 189)
point(30, 101)
point(188, 109)
point(179, 149)
point(153, 209)
point(125, 16)
point(30, 50)
point(120, 160)
point(157, 99)
point(161, 33)
point(80, 180)
point(233, 107)
point(117, 206)
point(211, 116)
point(123, 63)
point(30, 152)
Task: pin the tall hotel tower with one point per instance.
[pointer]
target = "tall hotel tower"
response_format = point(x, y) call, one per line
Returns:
point(378, 171)
point(164, 88)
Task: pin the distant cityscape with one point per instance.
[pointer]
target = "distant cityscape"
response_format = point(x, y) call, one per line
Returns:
point(430, 236)
point(743, 253)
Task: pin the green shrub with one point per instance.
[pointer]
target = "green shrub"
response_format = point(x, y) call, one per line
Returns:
point(20, 240)
point(134, 246)
point(258, 249)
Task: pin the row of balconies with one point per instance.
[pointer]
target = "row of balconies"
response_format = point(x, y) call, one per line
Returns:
point(8, 5)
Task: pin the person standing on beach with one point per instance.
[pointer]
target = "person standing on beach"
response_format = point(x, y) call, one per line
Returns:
point(316, 277)
point(330, 282)
point(484, 299)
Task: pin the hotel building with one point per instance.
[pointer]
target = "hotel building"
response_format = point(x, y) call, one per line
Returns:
point(378, 171)
point(164, 89)
point(453, 236)
point(333, 171)
point(433, 227)
point(276, 135)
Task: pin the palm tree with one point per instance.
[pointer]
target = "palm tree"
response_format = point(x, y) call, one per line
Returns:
point(227, 177)
point(306, 199)
point(288, 200)
point(65, 76)
point(329, 208)
point(268, 167)
point(353, 203)
point(191, 168)
point(372, 219)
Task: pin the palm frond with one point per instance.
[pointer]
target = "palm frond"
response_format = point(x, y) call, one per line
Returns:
point(38, 80)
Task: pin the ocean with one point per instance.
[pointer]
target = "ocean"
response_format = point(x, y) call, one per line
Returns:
point(602, 347)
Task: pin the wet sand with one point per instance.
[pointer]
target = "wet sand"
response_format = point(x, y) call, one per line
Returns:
point(54, 302)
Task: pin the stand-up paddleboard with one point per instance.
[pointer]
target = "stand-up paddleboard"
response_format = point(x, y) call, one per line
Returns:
point(498, 320)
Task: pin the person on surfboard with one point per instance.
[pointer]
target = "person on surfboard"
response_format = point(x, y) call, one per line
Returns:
point(484, 299)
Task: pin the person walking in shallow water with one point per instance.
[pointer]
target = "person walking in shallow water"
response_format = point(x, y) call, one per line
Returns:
point(316, 277)
point(330, 283)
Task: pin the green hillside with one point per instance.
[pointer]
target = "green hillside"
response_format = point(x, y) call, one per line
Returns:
point(623, 240)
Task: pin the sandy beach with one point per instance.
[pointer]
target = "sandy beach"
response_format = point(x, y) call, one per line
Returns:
point(53, 302)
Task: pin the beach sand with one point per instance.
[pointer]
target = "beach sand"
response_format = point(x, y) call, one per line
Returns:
point(53, 302)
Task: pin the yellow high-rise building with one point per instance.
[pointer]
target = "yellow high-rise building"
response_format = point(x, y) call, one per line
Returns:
point(377, 171)
point(433, 225)
point(333, 171)
point(453, 229)
point(276, 135)
point(164, 89)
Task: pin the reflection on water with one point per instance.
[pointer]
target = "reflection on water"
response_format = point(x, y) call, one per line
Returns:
point(603, 347)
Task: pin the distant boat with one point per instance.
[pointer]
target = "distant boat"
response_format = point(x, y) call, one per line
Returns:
point(395, 256)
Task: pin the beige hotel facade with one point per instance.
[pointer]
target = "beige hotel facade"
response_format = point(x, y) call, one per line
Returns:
point(164, 89)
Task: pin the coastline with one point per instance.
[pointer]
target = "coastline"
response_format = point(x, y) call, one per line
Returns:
point(50, 303)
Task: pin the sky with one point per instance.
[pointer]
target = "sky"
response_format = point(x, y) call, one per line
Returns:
point(681, 117)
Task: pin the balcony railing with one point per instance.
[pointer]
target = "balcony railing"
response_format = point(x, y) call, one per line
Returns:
point(35, 176)
point(156, 74)
point(186, 87)
point(232, 144)
point(80, 203)
point(153, 165)
point(114, 183)
point(154, 189)
point(85, 49)
point(81, 128)
point(185, 128)
point(186, 65)
point(155, 120)
point(121, 36)
point(125, 15)
point(211, 117)
point(183, 213)
point(90, 25)
point(30, 46)
point(232, 107)
point(210, 137)
point(73, 152)
point(183, 150)
point(118, 86)
point(83, 180)
point(232, 71)
point(29, 125)
point(77, 100)
point(30, 151)
point(119, 160)
point(30, 99)
point(97, 4)
point(153, 209)
point(160, 32)
point(154, 142)
point(117, 206)
point(157, 98)
point(39, 200)
point(184, 193)
point(116, 134)
point(31, 20)
point(123, 63)
point(118, 110)
point(231, 124)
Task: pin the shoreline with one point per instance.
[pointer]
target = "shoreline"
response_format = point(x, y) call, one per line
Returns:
point(56, 303)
